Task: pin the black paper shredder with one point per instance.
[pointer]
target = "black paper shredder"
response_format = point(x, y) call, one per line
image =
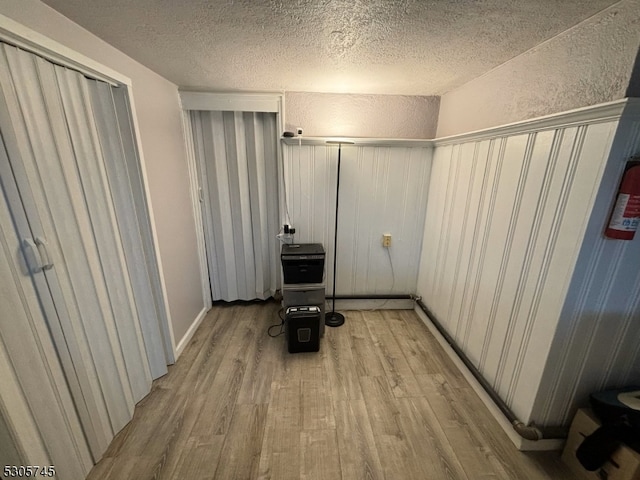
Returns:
point(303, 262)
point(302, 329)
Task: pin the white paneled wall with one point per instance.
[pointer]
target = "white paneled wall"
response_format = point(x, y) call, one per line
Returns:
point(506, 216)
point(596, 342)
point(383, 189)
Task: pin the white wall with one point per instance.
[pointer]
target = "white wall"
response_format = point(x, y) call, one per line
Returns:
point(159, 118)
point(382, 190)
point(506, 214)
point(588, 64)
point(596, 342)
point(347, 115)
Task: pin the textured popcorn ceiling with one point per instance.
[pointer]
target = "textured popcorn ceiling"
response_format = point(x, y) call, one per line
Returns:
point(408, 47)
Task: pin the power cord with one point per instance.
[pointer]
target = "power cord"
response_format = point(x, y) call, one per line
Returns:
point(284, 185)
point(393, 282)
point(281, 325)
point(393, 273)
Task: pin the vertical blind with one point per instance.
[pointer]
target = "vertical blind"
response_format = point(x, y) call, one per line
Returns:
point(236, 153)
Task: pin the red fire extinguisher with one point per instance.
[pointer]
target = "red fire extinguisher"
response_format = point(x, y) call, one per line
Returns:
point(625, 216)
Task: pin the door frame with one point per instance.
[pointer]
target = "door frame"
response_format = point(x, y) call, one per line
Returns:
point(16, 34)
point(236, 102)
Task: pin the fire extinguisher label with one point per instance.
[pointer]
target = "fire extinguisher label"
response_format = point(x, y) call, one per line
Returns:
point(626, 214)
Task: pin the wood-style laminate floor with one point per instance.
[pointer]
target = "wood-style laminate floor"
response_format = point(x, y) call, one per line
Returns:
point(381, 400)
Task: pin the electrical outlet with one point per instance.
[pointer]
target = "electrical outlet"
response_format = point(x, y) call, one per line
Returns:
point(386, 240)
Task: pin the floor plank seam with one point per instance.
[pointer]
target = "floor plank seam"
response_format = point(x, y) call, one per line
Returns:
point(379, 400)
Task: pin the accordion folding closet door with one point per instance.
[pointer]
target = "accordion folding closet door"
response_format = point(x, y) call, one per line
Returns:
point(80, 332)
point(236, 157)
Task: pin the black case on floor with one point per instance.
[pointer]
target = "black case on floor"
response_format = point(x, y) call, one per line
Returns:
point(302, 329)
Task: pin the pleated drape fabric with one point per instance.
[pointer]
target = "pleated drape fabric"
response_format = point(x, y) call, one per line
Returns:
point(237, 157)
point(68, 162)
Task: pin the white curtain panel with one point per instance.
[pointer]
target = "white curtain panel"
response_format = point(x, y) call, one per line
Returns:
point(237, 158)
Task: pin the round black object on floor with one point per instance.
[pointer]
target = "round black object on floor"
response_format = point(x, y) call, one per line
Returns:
point(333, 319)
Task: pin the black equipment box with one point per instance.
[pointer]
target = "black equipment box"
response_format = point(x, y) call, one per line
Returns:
point(302, 329)
point(303, 262)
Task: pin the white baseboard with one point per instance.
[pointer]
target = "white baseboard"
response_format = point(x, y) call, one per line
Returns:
point(184, 341)
point(519, 442)
point(366, 304)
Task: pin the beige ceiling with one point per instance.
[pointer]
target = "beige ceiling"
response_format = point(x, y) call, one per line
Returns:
point(408, 47)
